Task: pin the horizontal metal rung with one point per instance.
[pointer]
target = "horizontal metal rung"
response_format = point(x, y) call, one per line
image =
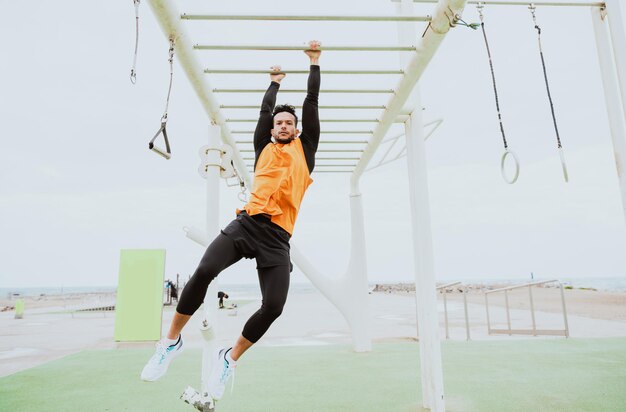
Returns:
point(337, 158)
point(250, 167)
point(236, 71)
point(344, 142)
point(320, 171)
point(325, 165)
point(318, 151)
point(339, 150)
point(381, 107)
point(520, 3)
point(550, 332)
point(322, 120)
point(319, 158)
point(287, 48)
point(336, 165)
point(321, 141)
point(186, 16)
point(304, 91)
point(322, 132)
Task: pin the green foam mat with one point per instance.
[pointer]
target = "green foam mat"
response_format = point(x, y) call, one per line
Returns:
point(139, 301)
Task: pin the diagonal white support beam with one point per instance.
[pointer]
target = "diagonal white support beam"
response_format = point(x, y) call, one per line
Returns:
point(169, 20)
point(429, 43)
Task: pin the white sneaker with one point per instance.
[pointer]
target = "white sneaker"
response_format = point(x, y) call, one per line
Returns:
point(202, 402)
point(158, 363)
point(221, 371)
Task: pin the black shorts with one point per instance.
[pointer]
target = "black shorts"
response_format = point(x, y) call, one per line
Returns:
point(258, 237)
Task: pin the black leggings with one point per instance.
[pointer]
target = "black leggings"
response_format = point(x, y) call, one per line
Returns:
point(220, 254)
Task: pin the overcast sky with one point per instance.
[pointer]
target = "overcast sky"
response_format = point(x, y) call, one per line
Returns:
point(77, 183)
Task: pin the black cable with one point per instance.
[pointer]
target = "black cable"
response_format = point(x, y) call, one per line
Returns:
point(495, 89)
point(545, 76)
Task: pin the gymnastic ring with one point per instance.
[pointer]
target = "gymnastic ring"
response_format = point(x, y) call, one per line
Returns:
point(563, 166)
point(516, 174)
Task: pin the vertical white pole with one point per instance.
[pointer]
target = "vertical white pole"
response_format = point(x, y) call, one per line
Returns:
point(614, 106)
point(564, 311)
point(532, 309)
point(407, 34)
point(616, 27)
point(467, 327)
point(445, 311)
point(356, 277)
point(209, 323)
point(425, 288)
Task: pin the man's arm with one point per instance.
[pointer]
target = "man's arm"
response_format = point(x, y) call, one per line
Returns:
point(310, 135)
point(262, 133)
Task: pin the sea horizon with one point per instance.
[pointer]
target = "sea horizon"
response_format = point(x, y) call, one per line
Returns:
point(606, 283)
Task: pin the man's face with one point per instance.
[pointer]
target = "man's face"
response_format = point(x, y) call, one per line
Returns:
point(284, 127)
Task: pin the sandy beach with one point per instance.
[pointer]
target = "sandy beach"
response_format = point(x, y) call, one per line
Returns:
point(55, 326)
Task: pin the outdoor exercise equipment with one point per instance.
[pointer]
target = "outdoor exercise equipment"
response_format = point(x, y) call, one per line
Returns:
point(163, 129)
point(507, 151)
point(545, 76)
point(226, 166)
point(394, 100)
point(133, 70)
point(139, 304)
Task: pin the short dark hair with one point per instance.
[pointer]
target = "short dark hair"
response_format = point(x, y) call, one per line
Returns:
point(285, 108)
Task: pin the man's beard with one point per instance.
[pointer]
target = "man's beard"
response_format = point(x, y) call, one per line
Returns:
point(284, 140)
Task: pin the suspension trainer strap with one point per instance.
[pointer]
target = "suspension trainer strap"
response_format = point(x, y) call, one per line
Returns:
point(133, 70)
point(532, 9)
point(169, 89)
point(163, 129)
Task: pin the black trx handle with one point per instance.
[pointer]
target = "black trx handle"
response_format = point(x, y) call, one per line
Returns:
point(167, 154)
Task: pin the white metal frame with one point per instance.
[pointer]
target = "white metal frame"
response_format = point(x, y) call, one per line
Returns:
point(611, 47)
point(522, 3)
point(258, 17)
point(349, 292)
point(534, 331)
point(443, 289)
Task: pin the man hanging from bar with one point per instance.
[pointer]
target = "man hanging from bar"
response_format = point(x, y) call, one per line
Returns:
point(284, 160)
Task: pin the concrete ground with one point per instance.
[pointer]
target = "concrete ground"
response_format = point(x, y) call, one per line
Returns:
point(308, 320)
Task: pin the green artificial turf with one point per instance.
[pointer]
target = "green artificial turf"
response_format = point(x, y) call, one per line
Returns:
point(506, 375)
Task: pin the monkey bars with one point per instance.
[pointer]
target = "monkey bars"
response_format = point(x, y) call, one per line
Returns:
point(363, 85)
